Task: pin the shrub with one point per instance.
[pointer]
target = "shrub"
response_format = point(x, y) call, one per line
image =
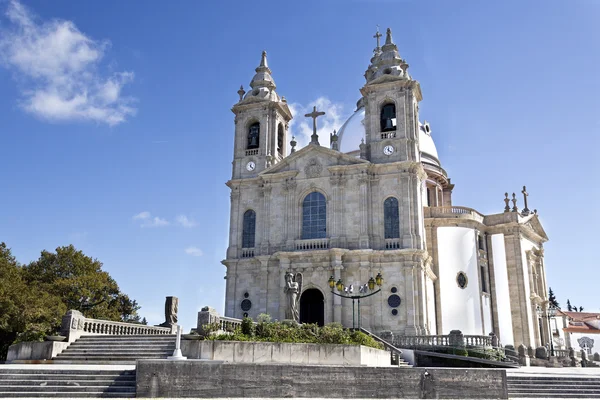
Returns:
point(247, 326)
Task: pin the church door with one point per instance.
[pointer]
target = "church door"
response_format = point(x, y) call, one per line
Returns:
point(312, 307)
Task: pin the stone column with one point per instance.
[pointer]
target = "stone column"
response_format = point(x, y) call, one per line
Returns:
point(336, 264)
point(265, 193)
point(263, 280)
point(232, 250)
point(289, 187)
point(284, 266)
point(363, 180)
point(409, 290)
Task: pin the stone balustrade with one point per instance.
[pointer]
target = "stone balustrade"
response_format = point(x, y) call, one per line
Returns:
point(453, 212)
point(312, 244)
point(392, 244)
point(75, 324)
point(228, 324)
point(252, 152)
point(453, 340)
point(248, 252)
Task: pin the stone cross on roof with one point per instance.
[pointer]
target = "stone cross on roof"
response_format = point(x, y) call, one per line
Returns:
point(377, 36)
point(525, 211)
point(314, 138)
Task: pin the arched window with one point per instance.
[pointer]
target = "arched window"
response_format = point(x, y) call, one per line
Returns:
point(391, 218)
point(388, 117)
point(314, 216)
point(249, 229)
point(280, 139)
point(254, 136)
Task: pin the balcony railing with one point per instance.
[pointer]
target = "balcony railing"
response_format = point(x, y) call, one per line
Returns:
point(453, 212)
point(388, 135)
point(392, 244)
point(312, 244)
point(252, 152)
point(248, 252)
point(420, 342)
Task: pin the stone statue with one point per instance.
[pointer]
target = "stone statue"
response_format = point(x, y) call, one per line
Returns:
point(171, 305)
point(293, 286)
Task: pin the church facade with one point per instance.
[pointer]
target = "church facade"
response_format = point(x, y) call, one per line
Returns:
point(377, 202)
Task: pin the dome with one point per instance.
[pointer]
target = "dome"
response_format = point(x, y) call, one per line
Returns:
point(353, 132)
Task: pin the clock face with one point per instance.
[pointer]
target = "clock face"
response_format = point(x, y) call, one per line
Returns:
point(251, 165)
point(388, 150)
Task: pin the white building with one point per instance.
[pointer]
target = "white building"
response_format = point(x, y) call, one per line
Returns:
point(377, 201)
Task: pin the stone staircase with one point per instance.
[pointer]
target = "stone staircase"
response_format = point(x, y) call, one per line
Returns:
point(67, 383)
point(116, 349)
point(554, 387)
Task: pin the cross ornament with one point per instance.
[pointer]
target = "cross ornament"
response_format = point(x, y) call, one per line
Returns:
point(378, 36)
point(525, 211)
point(314, 138)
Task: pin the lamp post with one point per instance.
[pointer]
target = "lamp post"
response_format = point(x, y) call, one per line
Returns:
point(549, 313)
point(339, 285)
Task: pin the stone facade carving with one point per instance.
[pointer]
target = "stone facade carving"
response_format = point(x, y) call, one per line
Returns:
point(313, 169)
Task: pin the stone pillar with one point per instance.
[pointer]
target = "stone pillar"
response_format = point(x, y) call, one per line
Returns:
point(207, 315)
point(363, 180)
point(263, 287)
point(456, 339)
point(284, 266)
point(523, 356)
point(72, 325)
point(411, 302)
point(265, 193)
point(336, 264)
point(232, 250)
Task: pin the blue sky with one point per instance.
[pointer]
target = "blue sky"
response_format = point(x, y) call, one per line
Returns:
point(117, 133)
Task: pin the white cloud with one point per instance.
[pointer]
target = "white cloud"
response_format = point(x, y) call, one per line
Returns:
point(194, 251)
point(301, 127)
point(142, 215)
point(58, 68)
point(148, 221)
point(186, 222)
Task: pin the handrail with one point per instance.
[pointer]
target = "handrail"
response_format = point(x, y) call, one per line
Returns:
point(74, 324)
point(395, 352)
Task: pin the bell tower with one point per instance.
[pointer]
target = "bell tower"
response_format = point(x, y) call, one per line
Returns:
point(261, 125)
point(391, 99)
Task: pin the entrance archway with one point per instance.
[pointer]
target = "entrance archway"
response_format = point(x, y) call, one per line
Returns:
point(312, 307)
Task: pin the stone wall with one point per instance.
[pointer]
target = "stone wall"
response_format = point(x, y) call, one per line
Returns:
point(35, 350)
point(213, 379)
point(294, 353)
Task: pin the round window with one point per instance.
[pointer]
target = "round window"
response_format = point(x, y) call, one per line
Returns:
point(394, 312)
point(394, 289)
point(461, 280)
point(394, 300)
point(246, 305)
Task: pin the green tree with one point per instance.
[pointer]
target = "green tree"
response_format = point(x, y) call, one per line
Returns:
point(26, 311)
point(552, 298)
point(81, 284)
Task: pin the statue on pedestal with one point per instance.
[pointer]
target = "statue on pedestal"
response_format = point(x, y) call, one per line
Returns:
point(292, 289)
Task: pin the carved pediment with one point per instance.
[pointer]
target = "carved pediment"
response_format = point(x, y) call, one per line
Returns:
point(312, 162)
point(533, 223)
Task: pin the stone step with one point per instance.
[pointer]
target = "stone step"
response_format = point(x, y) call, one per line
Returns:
point(591, 385)
point(126, 337)
point(66, 372)
point(117, 357)
point(65, 382)
point(70, 388)
point(114, 351)
point(94, 362)
point(552, 395)
point(68, 395)
point(77, 345)
point(556, 389)
point(9, 379)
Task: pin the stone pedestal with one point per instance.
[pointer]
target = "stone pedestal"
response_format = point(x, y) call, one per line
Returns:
point(72, 325)
point(207, 315)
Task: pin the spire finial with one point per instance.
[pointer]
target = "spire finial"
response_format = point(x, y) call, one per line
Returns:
point(506, 201)
point(263, 59)
point(293, 143)
point(388, 37)
point(514, 201)
point(241, 92)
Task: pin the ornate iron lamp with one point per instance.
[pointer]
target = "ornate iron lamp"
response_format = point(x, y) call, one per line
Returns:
point(339, 285)
point(549, 313)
